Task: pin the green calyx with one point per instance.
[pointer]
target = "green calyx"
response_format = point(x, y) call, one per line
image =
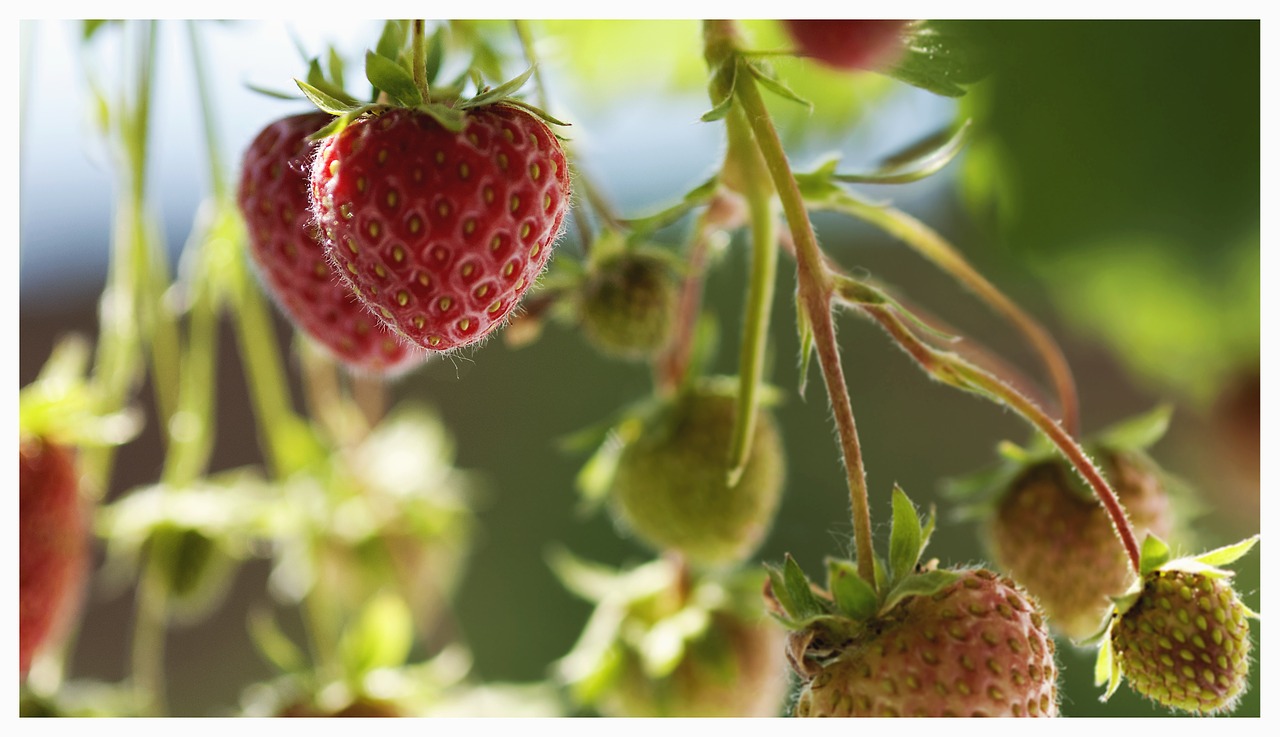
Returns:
point(849, 603)
point(403, 70)
point(1157, 560)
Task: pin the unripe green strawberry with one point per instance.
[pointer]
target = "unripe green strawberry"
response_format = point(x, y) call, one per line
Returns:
point(52, 541)
point(977, 648)
point(671, 485)
point(1181, 635)
point(664, 641)
point(627, 304)
point(1054, 538)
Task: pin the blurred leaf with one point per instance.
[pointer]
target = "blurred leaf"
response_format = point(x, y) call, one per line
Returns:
point(324, 100)
point(1155, 553)
point(272, 642)
point(1140, 432)
point(381, 637)
point(764, 73)
point(1228, 554)
point(920, 160)
point(942, 58)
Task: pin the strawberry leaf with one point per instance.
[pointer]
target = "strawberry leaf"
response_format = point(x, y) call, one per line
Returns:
point(1137, 433)
point(764, 73)
point(941, 59)
point(391, 40)
point(720, 107)
point(791, 588)
point(451, 118)
point(273, 643)
point(391, 78)
point(435, 54)
point(501, 92)
point(1155, 553)
point(381, 637)
point(854, 597)
point(1229, 553)
point(923, 159)
point(921, 584)
point(904, 538)
point(325, 101)
point(337, 69)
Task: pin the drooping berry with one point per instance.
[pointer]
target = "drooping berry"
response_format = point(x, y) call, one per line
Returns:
point(627, 304)
point(849, 44)
point(440, 233)
point(288, 254)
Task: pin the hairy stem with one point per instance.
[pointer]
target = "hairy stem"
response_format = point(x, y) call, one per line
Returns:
point(419, 41)
point(672, 364)
point(928, 243)
point(815, 288)
point(951, 369)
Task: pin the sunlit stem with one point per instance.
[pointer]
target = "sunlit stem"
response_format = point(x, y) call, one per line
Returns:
point(419, 41)
point(815, 288)
point(936, 249)
point(764, 267)
point(146, 653)
point(952, 370)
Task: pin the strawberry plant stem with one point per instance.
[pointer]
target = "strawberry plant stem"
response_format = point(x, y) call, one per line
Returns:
point(146, 652)
point(936, 249)
point(419, 35)
point(951, 369)
point(759, 305)
point(815, 288)
point(672, 364)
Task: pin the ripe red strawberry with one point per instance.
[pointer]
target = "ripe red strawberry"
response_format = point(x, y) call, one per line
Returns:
point(53, 545)
point(849, 44)
point(441, 233)
point(289, 256)
point(1056, 539)
point(979, 647)
point(1181, 634)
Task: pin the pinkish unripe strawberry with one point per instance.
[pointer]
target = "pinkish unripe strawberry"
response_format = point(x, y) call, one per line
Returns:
point(671, 486)
point(52, 542)
point(288, 253)
point(1181, 636)
point(1051, 534)
point(1047, 529)
point(916, 642)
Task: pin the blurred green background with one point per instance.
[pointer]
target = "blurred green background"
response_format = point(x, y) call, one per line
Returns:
point(1112, 188)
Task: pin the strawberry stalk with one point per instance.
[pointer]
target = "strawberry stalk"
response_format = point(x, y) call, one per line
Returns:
point(758, 191)
point(419, 40)
point(672, 364)
point(954, 371)
point(815, 285)
point(932, 246)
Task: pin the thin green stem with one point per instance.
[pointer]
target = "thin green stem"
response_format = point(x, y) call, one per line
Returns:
point(213, 150)
point(815, 288)
point(759, 305)
point(951, 369)
point(928, 243)
point(146, 653)
point(419, 41)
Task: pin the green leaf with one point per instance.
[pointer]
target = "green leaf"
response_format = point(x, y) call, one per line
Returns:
point(452, 119)
point(904, 537)
point(501, 92)
point(270, 92)
point(391, 78)
point(324, 100)
point(391, 40)
point(941, 59)
point(764, 73)
point(1227, 554)
point(381, 637)
point(920, 160)
point(1155, 553)
point(854, 597)
point(595, 479)
point(1103, 666)
point(804, 329)
point(699, 195)
point(589, 580)
point(1137, 433)
point(917, 584)
point(337, 69)
point(791, 587)
point(90, 27)
point(720, 107)
point(435, 54)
